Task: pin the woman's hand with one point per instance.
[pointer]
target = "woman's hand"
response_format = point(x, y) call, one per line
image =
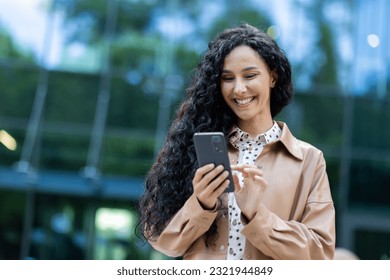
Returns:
point(209, 183)
point(252, 190)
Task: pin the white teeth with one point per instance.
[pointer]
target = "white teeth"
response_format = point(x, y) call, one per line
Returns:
point(244, 101)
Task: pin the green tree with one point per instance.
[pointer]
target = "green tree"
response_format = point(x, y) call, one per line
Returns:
point(10, 50)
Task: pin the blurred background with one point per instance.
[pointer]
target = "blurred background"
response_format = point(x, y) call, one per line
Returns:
point(88, 88)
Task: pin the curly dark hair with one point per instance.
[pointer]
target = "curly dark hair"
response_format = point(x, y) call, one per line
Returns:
point(169, 182)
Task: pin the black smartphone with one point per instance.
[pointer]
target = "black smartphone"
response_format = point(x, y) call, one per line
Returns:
point(211, 148)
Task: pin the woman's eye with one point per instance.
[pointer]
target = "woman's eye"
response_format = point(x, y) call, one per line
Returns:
point(250, 76)
point(227, 78)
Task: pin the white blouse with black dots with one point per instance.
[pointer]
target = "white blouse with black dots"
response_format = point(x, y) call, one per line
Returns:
point(249, 149)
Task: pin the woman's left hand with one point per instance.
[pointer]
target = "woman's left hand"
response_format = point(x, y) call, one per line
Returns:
point(252, 190)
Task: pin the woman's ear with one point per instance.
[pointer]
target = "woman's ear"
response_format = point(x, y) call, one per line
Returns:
point(274, 78)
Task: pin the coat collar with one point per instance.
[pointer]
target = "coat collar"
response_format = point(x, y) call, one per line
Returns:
point(289, 141)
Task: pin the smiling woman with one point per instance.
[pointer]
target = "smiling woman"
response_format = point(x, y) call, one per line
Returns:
point(246, 84)
point(242, 83)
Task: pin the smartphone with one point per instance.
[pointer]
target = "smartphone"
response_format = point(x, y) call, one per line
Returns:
point(211, 147)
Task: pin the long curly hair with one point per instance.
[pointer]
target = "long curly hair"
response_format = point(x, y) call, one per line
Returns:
point(169, 182)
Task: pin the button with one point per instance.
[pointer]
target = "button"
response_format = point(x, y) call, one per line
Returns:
point(234, 222)
point(222, 248)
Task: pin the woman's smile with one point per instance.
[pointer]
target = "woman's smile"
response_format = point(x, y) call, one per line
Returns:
point(244, 101)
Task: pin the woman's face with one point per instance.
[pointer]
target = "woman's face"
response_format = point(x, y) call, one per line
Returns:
point(246, 83)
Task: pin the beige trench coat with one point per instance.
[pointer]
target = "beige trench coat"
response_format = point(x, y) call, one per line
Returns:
point(294, 219)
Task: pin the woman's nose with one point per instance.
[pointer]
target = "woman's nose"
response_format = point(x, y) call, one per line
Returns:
point(239, 87)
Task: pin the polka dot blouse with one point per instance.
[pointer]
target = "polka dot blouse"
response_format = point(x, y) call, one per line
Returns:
point(249, 149)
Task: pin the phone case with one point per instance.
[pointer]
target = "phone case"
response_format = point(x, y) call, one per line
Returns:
point(211, 148)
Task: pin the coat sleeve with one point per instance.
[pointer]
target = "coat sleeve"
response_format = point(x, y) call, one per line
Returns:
point(186, 226)
point(311, 238)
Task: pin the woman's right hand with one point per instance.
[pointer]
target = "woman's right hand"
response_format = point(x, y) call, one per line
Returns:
point(209, 183)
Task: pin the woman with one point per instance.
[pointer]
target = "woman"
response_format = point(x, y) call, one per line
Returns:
point(281, 207)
